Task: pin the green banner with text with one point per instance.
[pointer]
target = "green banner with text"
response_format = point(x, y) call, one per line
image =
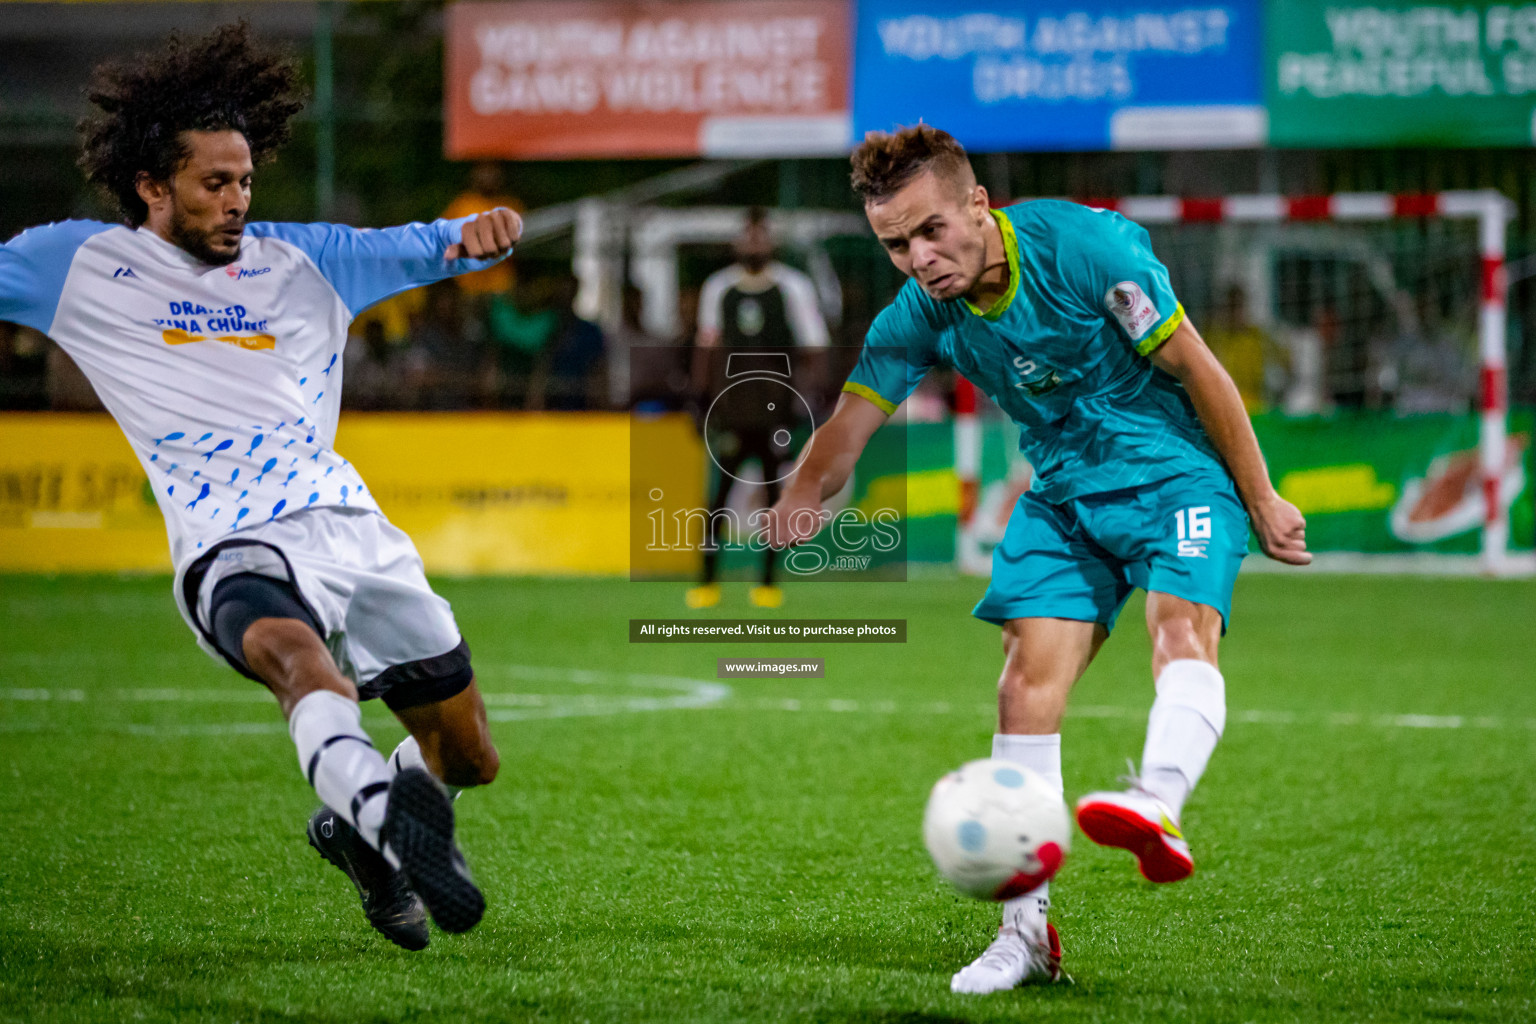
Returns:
point(1400, 74)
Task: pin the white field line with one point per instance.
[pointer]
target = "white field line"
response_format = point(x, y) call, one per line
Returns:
point(659, 693)
point(668, 693)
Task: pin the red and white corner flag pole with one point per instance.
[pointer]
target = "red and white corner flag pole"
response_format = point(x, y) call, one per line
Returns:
point(1494, 401)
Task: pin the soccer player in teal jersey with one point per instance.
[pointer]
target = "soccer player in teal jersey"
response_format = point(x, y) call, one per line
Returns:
point(1148, 475)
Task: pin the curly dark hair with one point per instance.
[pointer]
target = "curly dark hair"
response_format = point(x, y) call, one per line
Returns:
point(222, 81)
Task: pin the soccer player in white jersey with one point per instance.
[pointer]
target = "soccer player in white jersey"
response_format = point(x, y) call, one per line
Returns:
point(1148, 475)
point(216, 345)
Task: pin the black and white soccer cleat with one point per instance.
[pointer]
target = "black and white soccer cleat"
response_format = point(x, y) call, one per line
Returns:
point(418, 829)
point(391, 907)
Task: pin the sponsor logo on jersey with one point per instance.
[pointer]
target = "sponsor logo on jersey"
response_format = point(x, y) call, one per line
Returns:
point(176, 336)
point(1128, 304)
point(241, 273)
point(126, 272)
point(1034, 379)
point(191, 321)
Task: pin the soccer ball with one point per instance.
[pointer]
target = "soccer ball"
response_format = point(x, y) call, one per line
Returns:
point(996, 830)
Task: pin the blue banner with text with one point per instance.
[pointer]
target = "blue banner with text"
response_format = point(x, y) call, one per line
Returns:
point(1082, 75)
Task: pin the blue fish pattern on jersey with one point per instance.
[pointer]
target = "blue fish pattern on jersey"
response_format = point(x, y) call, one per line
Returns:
point(277, 509)
point(343, 495)
point(241, 515)
point(202, 439)
point(266, 468)
point(200, 496)
point(223, 445)
point(177, 436)
point(233, 477)
point(327, 371)
point(255, 443)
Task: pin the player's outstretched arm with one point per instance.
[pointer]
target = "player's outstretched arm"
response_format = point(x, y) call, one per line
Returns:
point(369, 265)
point(824, 468)
point(1281, 530)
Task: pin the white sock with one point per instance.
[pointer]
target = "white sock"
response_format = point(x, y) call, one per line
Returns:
point(337, 757)
point(408, 755)
point(1042, 754)
point(1186, 721)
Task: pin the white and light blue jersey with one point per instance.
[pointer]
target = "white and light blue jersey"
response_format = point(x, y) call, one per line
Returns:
point(226, 380)
point(1063, 352)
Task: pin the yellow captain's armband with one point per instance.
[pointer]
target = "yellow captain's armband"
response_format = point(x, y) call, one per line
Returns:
point(884, 404)
point(1150, 343)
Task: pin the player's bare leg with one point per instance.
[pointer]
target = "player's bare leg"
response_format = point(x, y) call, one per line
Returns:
point(451, 739)
point(1183, 728)
point(1042, 660)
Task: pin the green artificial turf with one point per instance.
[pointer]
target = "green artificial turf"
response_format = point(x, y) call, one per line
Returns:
point(1364, 836)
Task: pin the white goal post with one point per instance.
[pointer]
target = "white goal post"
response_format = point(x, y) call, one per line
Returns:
point(1489, 210)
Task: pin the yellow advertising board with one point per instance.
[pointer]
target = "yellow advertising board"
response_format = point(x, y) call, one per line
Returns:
point(73, 498)
point(534, 493)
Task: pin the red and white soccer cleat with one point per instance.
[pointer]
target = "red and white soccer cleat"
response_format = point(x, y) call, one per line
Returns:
point(1136, 820)
point(1012, 959)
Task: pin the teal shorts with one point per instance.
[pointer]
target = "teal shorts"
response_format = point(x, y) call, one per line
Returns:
point(1080, 560)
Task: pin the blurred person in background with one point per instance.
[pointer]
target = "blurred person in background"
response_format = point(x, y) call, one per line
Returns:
point(377, 371)
point(1307, 391)
point(486, 191)
point(571, 372)
point(1242, 347)
point(657, 367)
point(214, 342)
point(451, 366)
point(755, 304)
point(520, 324)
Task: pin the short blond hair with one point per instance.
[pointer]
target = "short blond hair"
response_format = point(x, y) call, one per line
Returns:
point(886, 161)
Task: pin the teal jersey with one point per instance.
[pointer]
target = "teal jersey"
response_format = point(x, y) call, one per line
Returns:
point(1063, 352)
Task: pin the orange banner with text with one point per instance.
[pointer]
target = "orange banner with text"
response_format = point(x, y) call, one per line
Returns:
point(620, 78)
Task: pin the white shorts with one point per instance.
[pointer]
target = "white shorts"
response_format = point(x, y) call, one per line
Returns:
point(363, 582)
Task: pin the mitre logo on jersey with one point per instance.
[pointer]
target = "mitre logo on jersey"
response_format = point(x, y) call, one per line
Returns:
point(1130, 305)
point(240, 273)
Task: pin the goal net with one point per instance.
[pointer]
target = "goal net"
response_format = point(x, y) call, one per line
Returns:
point(1366, 333)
